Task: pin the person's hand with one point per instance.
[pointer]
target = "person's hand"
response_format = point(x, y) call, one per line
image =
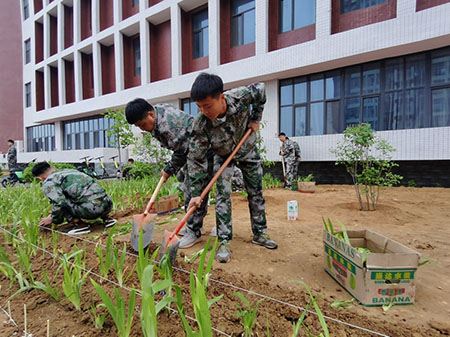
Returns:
point(165, 175)
point(254, 125)
point(47, 221)
point(299, 159)
point(195, 201)
point(282, 153)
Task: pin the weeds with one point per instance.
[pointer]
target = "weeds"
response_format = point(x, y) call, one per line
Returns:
point(248, 315)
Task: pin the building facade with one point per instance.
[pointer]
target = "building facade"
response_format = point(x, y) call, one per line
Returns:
point(11, 108)
point(325, 64)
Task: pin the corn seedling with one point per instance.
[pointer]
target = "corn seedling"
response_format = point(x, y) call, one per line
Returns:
point(24, 261)
point(119, 265)
point(6, 267)
point(200, 302)
point(97, 318)
point(55, 239)
point(117, 311)
point(74, 277)
point(194, 256)
point(320, 316)
point(343, 304)
point(165, 271)
point(106, 260)
point(248, 315)
point(48, 286)
point(143, 260)
point(150, 311)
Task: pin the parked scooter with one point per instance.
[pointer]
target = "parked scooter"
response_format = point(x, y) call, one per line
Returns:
point(87, 168)
point(116, 165)
point(16, 175)
point(105, 173)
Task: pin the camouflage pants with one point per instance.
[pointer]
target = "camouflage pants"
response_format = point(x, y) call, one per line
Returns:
point(90, 210)
point(291, 170)
point(195, 222)
point(252, 173)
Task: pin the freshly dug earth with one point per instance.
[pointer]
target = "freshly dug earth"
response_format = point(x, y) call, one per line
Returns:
point(415, 217)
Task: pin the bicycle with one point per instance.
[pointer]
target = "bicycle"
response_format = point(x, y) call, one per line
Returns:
point(105, 173)
point(86, 167)
point(116, 165)
point(16, 175)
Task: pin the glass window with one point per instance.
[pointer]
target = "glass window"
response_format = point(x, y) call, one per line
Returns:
point(300, 91)
point(370, 111)
point(200, 34)
point(27, 51)
point(41, 138)
point(393, 111)
point(415, 71)
point(353, 5)
point(87, 133)
point(414, 109)
point(333, 86)
point(440, 70)
point(371, 79)
point(295, 14)
point(286, 94)
point(242, 22)
point(27, 95)
point(300, 121)
point(351, 111)
point(316, 126)
point(189, 106)
point(286, 120)
point(137, 56)
point(332, 125)
point(394, 74)
point(26, 10)
point(317, 89)
point(440, 110)
point(352, 82)
point(135, 3)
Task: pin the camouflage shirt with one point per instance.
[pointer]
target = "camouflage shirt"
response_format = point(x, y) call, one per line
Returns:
point(288, 147)
point(12, 157)
point(244, 104)
point(172, 129)
point(70, 185)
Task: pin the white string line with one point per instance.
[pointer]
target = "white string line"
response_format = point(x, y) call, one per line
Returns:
point(237, 288)
point(14, 322)
point(103, 278)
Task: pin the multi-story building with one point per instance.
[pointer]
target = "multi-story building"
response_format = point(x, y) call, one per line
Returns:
point(325, 65)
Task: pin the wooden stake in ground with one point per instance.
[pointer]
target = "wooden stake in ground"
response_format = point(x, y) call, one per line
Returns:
point(25, 318)
point(48, 328)
point(9, 310)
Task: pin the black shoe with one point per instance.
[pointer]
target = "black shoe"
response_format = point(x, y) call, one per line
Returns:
point(109, 222)
point(264, 240)
point(78, 229)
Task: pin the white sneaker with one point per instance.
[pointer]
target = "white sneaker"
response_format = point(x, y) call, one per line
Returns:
point(189, 239)
point(183, 231)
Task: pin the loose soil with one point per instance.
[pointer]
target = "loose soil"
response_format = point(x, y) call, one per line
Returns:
point(415, 217)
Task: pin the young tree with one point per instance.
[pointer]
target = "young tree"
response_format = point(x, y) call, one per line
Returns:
point(120, 130)
point(367, 159)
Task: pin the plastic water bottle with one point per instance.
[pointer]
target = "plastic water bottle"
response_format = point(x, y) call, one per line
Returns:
point(292, 209)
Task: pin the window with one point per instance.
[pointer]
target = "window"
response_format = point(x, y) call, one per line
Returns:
point(27, 48)
point(41, 138)
point(26, 10)
point(353, 5)
point(87, 133)
point(137, 56)
point(200, 34)
point(242, 22)
point(400, 93)
point(135, 3)
point(189, 106)
point(295, 14)
point(27, 95)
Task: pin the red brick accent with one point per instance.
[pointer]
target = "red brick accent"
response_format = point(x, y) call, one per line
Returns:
point(39, 42)
point(87, 75)
point(108, 69)
point(106, 14)
point(40, 99)
point(160, 52)
point(189, 64)
point(86, 19)
point(153, 2)
point(37, 6)
point(54, 86)
point(361, 17)
point(424, 4)
point(53, 35)
point(128, 9)
point(68, 26)
point(128, 62)
point(228, 53)
point(69, 81)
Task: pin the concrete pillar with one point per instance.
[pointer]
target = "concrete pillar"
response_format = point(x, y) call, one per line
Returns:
point(175, 28)
point(262, 27)
point(214, 33)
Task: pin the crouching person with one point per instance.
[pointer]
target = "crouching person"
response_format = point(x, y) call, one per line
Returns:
point(73, 196)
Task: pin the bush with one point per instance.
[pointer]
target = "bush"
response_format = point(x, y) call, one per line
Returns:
point(140, 170)
point(28, 176)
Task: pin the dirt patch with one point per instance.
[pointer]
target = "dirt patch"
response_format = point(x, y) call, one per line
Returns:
point(415, 217)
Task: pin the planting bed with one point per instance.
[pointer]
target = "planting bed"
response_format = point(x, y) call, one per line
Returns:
point(416, 217)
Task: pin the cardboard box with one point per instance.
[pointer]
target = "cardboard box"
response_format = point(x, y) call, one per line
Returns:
point(165, 204)
point(307, 186)
point(386, 276)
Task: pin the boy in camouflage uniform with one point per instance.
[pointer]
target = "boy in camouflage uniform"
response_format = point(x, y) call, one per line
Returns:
point(12, 155)
point(224, 119)
point(73, 196)
point(172, 128)
point(291, 153)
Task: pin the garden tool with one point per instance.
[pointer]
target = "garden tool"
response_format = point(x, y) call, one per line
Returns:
point(170, 240)
point(284, 170)
point(145, 221)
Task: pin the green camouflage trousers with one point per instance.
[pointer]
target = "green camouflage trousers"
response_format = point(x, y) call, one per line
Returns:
point(89, 210)
point(291, 170)
point(252, 172)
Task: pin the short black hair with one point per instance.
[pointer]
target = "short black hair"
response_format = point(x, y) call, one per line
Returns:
point(40, 168)
point(206, 85)
point(282, 134)
point(131, 160)
point(10, 141)
point(136, 110)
